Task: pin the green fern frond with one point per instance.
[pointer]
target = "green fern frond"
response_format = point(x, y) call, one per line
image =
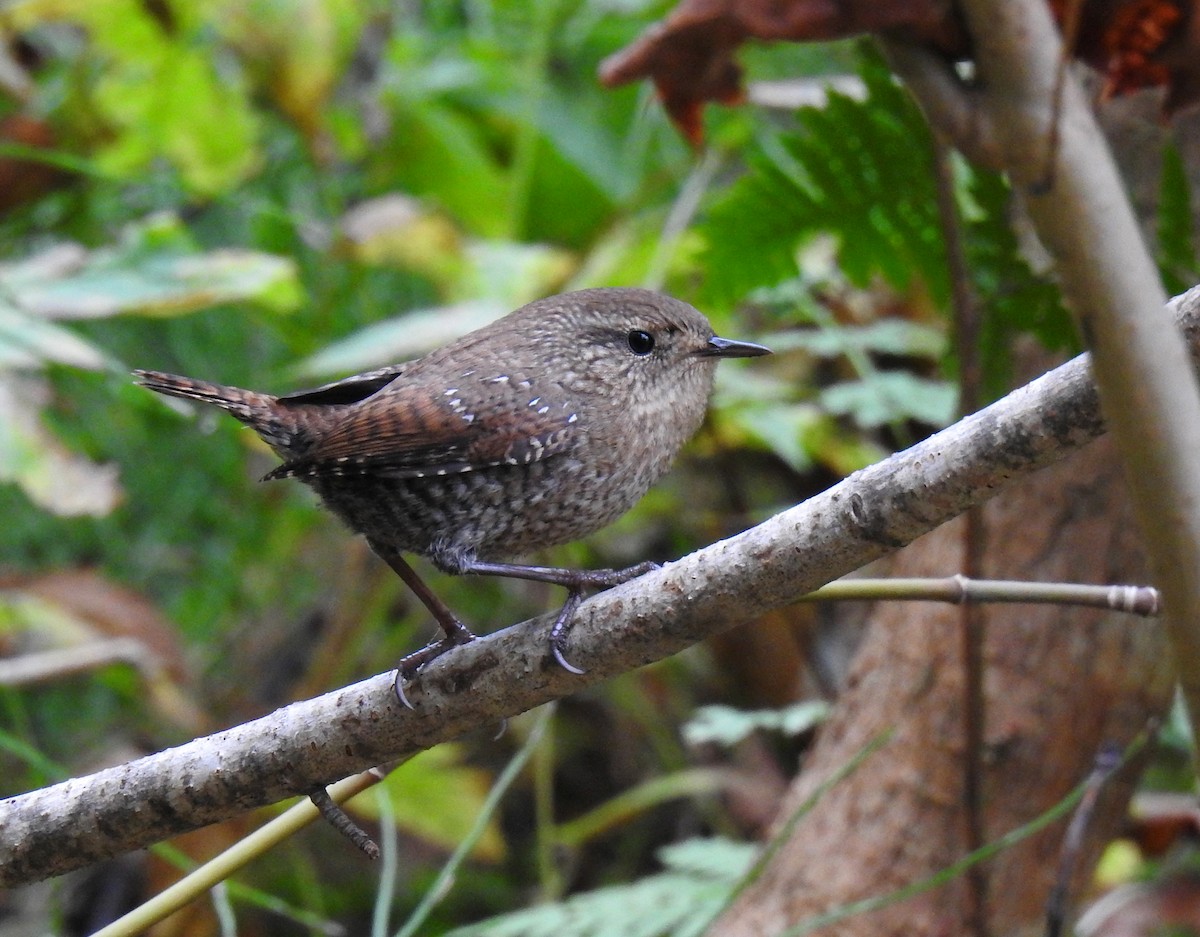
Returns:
point(753, 232)
point(698, 879)
point(1176, 227)
point(860, 170)
point(1013, 297)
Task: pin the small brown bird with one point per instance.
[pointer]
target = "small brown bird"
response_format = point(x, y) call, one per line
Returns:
point(535, 430)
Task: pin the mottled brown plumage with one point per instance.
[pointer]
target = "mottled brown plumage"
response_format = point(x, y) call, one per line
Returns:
point(535, 430)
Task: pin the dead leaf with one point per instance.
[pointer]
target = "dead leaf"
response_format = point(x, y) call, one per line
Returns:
point(81, 607)
point(24, 180)
point(690, 55)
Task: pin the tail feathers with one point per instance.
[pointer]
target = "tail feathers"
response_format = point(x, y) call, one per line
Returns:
point(282, 429)
point(247, 405)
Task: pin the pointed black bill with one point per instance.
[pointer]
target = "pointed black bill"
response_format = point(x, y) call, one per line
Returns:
point(730, 348)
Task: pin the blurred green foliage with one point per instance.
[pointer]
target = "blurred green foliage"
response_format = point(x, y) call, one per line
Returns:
point(275, 191)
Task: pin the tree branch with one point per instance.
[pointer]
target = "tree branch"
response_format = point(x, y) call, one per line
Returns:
point(950, 106)
point(1060, 163)
point(869, 514)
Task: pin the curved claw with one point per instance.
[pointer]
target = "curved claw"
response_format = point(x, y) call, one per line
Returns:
point(398, 686)
point(409, 666)
point(565, 664)
point(562, 624)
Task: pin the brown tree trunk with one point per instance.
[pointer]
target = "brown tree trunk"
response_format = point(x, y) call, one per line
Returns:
point(1060, 683)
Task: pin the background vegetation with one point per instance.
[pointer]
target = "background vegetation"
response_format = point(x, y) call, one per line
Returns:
point(272, 194)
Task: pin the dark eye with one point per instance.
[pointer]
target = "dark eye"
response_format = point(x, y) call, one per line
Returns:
point(640, 343)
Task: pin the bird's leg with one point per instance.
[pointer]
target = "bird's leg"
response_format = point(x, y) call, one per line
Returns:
point(570, 578)
point(576, 581)
point(454, 632)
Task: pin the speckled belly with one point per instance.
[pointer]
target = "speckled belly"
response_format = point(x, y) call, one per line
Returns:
point(497, 513)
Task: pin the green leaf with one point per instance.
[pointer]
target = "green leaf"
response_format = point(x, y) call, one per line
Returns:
point(34, 459)
point(1014, 297)
point(436, 797)
point(30, 343)
point(678, 902)
point(782, 428)
point(494, 278)
point(753, 230)
point(438, 153)
point(154, 270)
point(888, 336)
point(158, 92)
point(715, 858)
point(759, 407)
point(726, 726)
point(891, 396)
point(1176, 227)
point(407, 336)
point(860, 170)
point(296, 48)
point(513, 273)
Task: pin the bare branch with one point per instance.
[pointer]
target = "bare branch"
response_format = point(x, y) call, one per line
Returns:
point(949, 104)
point(1059, 161)
point(869, 514)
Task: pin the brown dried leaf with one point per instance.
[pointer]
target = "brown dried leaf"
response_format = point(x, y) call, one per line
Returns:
point(689, 55)
point(93, 607)
point(1138, 44)
point(24, 180)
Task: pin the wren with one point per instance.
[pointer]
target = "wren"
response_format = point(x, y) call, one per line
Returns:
point(533, 431)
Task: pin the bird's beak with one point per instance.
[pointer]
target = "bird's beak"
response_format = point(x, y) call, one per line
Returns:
point(729, 348)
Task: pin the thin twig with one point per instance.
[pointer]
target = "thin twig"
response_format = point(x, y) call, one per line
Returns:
point(220, 867)
point(336, 817)
point(958, 589)
point(1108, 760)
point(971, 621)
point(949, 104)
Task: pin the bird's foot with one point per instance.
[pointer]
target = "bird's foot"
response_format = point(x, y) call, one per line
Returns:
point(558, 631)
point(410, 664)
point(576, 582)
point(606, 578)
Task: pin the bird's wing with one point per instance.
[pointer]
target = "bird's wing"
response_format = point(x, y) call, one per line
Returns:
point(348, 390)
point(412, 434)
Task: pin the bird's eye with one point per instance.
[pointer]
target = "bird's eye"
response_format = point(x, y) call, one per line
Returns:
point(640, 343)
